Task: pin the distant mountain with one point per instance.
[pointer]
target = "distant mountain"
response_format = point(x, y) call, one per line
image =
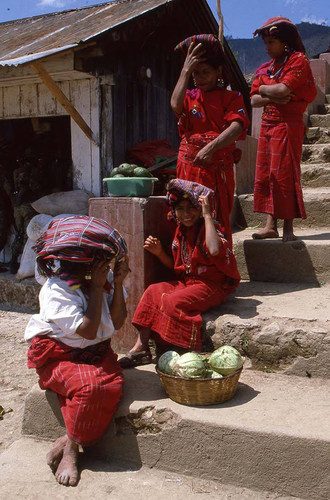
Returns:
point(251, 53)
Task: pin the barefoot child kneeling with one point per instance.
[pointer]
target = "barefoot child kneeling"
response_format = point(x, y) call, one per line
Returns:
point(206, 271)
point(82, 303)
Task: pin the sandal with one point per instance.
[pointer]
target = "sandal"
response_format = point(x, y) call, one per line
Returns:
point(133, 359)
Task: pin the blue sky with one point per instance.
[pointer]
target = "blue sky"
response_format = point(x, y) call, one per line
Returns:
point(241, 17)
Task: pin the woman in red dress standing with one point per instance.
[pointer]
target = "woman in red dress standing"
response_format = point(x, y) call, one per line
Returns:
point(211, 119)
point(283, 87)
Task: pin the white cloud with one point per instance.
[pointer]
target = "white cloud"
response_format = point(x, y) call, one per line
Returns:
point(310, 18)
point(290, 2)
point(52, 3)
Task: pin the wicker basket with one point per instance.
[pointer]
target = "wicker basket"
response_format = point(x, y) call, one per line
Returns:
point(202, 391)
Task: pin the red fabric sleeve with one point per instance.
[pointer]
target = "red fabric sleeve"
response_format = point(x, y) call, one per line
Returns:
point(255, 86)
point(235, 111)
point(299, 78)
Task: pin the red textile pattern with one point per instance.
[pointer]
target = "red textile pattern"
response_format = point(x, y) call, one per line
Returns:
point(277, 180)
point(173, 310)
point(89, 393)
point(205, 115)
point(71, 234)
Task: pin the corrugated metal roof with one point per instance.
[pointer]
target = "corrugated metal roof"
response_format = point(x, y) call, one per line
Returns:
point(32, 38)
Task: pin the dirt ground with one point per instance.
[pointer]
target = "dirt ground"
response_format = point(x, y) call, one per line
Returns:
point(15, 378)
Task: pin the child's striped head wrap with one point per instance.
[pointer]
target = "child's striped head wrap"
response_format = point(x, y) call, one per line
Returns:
point(78, 239)
point(178, 189)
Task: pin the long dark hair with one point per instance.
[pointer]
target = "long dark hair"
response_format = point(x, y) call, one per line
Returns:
point(286, 33)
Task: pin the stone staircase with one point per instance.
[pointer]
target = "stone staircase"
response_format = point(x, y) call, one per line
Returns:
point(274, 435)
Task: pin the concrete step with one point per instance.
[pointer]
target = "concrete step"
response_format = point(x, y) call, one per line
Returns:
point(103, 479)
point(327, 98)
point(316, 153)
point(323, 109)
point(280, 327)
point(306, 260)
point(273, 435)
point(317, 205)
point(20, 295)
point(317, 135)
point(315, 175)
point(320, 120)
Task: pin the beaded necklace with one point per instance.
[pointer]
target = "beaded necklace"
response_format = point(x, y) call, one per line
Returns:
point(186, 255)
point(278, 72)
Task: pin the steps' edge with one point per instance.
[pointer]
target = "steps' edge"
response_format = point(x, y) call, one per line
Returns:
point(140, 435)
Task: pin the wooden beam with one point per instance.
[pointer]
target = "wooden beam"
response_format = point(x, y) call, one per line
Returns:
point(63, 100)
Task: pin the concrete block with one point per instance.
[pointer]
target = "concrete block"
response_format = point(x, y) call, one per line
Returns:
point(320, 121)
point(306, 260)
point(317, 205)
point(315, 175)
point(316, 153)
point(274, 433)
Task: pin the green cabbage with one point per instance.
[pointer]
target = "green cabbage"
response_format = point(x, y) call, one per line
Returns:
point(212, 374)
point(226, 360)
point(190, 365)
point(166, 362)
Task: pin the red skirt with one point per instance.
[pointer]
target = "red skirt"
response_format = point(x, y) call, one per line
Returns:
point(89, 387)
point(277, 189)
point(173, 310)
point(218, 175)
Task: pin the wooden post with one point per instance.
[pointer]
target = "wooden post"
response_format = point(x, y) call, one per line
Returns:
point(63, 100)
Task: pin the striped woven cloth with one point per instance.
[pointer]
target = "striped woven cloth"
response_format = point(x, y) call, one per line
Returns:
point(78, 238)
point(209, 42)
point(180, 188)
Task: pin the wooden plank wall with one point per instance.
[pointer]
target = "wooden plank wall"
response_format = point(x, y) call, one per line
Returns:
point(35, 100)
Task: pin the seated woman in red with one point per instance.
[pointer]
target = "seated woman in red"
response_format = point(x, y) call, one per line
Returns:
point(206, 270)
point(211, 119)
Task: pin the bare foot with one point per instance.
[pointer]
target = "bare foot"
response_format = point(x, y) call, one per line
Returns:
point(54, 456)
point(67, 471)
point(288, 234)
point(265, 233)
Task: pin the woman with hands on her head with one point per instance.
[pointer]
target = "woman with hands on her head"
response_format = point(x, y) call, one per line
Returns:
point(206, 272)
point(211, 119)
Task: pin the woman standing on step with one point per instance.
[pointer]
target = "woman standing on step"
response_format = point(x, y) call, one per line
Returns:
point(283, 87)
point(82, 303)
point(211, 119)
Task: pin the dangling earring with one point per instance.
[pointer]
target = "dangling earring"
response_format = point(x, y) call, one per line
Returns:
point(286, 49)
point(220, 82)
point(194, 82)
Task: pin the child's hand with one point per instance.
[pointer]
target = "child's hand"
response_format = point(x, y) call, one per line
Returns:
point(204, 201)
point(121, 270)
point(99, 273)
point(194, 56)
point(153, 245)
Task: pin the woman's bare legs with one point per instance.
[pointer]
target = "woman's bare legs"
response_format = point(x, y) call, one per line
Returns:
point(67, 470)
point(288, 234)
point(54, 456)
point(142, 343)
point(269, 231)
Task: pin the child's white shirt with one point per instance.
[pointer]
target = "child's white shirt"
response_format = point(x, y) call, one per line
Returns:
point(62, 310)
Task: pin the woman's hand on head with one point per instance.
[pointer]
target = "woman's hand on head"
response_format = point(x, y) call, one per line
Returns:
point(99, 273)
point(153, 245)
point(205, 202)
point(194, 56)
point(121, 270)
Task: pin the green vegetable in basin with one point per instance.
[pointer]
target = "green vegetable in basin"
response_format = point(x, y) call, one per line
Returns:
point(190, 365)
point(166, 362)
point(225, 360)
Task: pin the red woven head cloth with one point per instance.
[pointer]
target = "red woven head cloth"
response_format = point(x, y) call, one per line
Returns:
point(284, 29)
point(77, 238)
point(179, 188)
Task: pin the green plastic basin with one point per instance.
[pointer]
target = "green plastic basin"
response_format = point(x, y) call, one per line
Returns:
point(130, 186)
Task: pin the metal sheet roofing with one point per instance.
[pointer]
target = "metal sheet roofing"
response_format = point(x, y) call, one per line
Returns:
point(32, 38)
